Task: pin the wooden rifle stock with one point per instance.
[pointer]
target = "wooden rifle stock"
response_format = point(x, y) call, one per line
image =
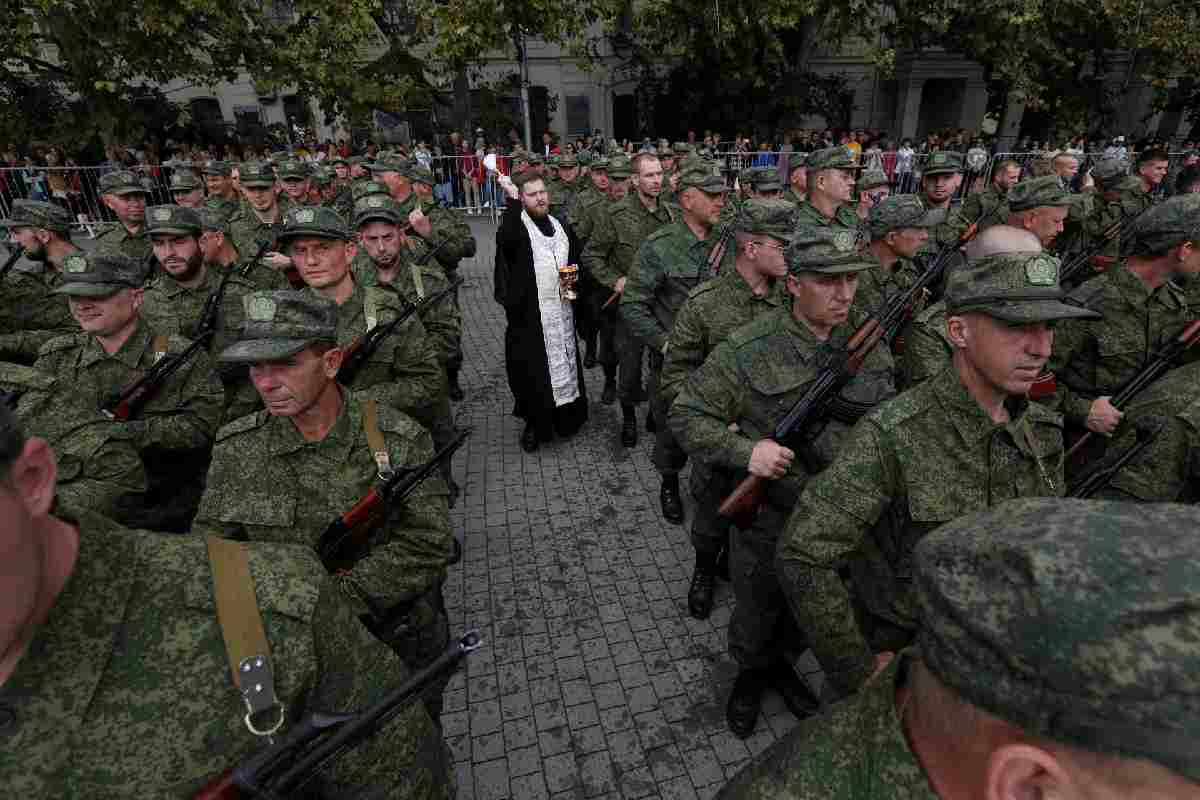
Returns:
point(221, 787)
point(1149, 374)
point(132, 399)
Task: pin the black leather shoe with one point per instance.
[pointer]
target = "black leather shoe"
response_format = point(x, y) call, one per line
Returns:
point(609, 395)
point(651, 426)
point(794, 690)
point(672, 506)
point(629, 432)
point(529, 439)
point(745, 702)
point(456, 392)
point(700, 594)
point(723, 565)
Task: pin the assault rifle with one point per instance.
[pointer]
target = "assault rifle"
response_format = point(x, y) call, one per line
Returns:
point(1118, 230)
point(11, 261)
point(741, 507)
point(318, 739)
point(365, 346)
point(206, 328)
point(129, 402)
point(344, 538)
point(1103, 473)
point(717, 254)
point(1158, 366)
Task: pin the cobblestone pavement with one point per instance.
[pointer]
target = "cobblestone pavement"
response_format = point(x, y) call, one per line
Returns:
point(594, 681)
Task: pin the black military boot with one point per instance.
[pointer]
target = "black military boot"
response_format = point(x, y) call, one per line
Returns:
point(456, 392)
point(651, 423)
point(723, 564)
point(745, 701)
point(610, 385)
point(668, 498)
point(629, 431)
point(529, 438)
point(589, 356)
point(700, 593)
point(795, 691)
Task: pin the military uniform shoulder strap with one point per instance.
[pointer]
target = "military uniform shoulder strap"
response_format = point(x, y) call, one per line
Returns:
point(245, 638)
point(418, 279)
point(375, 440)
point(158, 346)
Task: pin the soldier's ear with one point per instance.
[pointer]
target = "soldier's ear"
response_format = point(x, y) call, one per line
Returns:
point(957, 331)
point(35, 474)
point(1023, 772)
point(331, 361)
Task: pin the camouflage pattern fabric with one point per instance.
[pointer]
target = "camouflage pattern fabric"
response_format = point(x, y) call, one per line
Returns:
point(30, 315)
point(403, 372)
point(611, 251)
point(108, 706)
point(98, 464)
point(986, 208)
point(927, 457)
point(248, 232)
point(1093, 359)
point(223, 207)
point(117, 240)
point(413, 283)
point(807, 214)
point(855, 751)
point(267, 483)
point(927, 346)
point(1125, 199)
point(448, 227)
point(877, 285)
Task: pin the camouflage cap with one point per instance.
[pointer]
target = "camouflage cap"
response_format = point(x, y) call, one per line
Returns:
point(1076, 620)
point(584, 158)
point(121, 181)
point(871, 179)
point(664, 150)
point(620, 167)
point(213, 221)
point(388, 162)
point(377, 208)
point(321, 176)
point(1038, 192)
point(1168, 224)
point(337, 160)
point(899, 211)
point(360, 189)
point(681, 148)
point(1014, 287)
point(797, 161)
point(419, 173)
point(744, 177)
point(319, 221)
point(533, 158)
point(94, 275)
point(185, 180)
point(178, 220)
point(702, 175)
point(765, 179)
point(281, 323)
point(36, 214)
point(567, 160)
point(520, 157)
point(829, 250)
point(219, 168)
point(942, 162)
point(599, 164)
point(256, 174)
point(292, 169)
point(840, 157)
point(1108, 170)
point(775, 218)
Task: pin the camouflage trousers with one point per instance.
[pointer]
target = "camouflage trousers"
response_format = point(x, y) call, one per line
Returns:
point(418, 635)
point(711, 532)
point(667, 456)
point(629, 369)
point(454, 360)
point(762, 629)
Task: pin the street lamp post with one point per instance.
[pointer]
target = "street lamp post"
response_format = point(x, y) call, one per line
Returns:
point(525, 93)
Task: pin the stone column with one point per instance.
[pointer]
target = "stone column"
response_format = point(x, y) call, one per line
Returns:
point(1010, 123)
point(908, 106)
point(974, 105)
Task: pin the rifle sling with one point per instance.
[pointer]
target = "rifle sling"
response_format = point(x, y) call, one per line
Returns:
point(243, 632)
point(158, 346)
point(375, 437)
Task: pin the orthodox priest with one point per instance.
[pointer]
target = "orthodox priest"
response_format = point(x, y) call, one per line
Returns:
point(541, 257)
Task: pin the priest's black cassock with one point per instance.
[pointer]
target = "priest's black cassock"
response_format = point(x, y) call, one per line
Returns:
point(526, 344)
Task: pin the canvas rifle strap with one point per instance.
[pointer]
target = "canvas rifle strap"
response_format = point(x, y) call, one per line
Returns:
point(375, 438)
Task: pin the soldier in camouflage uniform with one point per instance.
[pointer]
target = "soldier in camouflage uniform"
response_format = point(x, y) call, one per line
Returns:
point(435, 228)
point(98, 464)
point(1040, 206)
point(1143, 309)
point(752, 380)
point(989, 207)
point(221, 254)
point(174, 431)
point(30, 314)
point(186, 188)
point(175, 300)
point(871, 188)
point(711, 313)
point(124, 194)
point(564, 189)
point(258, 222)
point(797, 189)
point(404, 371)
point(963, 441)
point(831, 175)
point(383, 263)
point(123, 688)
point(1119, 199)
point(942, 175)
point(1099, 697)
point(223, 199)
point(764, 183)
point(898, 227)
point(671, 262)
point(609, 258)
point(295, 179)
point(285, 473)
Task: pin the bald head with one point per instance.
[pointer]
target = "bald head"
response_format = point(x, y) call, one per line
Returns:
point(1002, 239)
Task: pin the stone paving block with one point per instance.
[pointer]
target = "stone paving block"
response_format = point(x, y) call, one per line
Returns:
point(596, 774)
point(638, 783)
point(524, 761)
point(485, 717)
point(665, 763)
point(529, 787)
point(520, 733)
point(561, 772)
point(588, 740)
point(554, 741)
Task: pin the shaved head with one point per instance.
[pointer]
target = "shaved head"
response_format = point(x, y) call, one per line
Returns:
point(1002, 239)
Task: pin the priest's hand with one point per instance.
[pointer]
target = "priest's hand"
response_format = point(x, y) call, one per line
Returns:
point(508, 186)
point(619, 286)
point(420, 223)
